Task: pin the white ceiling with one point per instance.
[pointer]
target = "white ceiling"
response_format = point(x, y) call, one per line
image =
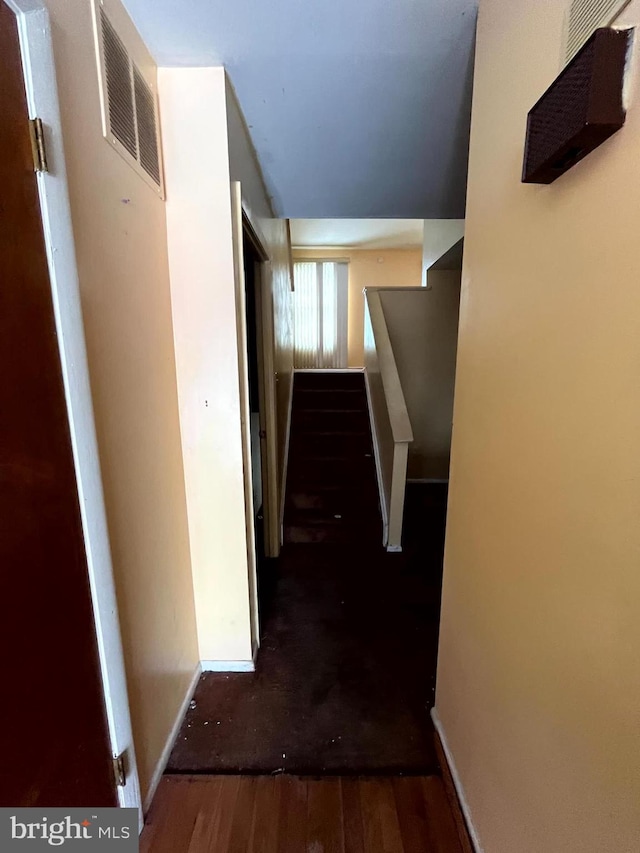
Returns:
point(357, 108)
point(357, 233)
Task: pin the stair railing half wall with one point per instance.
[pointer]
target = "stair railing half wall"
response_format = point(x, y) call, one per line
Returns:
point(390, 424)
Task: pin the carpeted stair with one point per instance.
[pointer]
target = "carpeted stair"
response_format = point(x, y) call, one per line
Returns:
point(331, 484)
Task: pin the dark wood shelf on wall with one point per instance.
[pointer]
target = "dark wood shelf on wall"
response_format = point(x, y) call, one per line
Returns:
point(582, 107)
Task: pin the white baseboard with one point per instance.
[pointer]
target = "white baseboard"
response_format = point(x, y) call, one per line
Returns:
point(394, 549)
point(464, 805)
point(285, 464)
point(376, 454)
point(173, 734)
point(203, 666)
point(227, 665)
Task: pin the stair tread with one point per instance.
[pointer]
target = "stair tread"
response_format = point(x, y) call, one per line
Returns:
point(325, 410)
point(331, 380)
point(315, 519)
point(300, 455)
point(330, 391)
point(336, 536)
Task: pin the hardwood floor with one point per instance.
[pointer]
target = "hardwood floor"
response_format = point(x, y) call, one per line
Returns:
point(290, 814)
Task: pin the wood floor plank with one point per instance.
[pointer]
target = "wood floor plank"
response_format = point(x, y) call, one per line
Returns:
point(379, 817)
point(412, 814)
point(187, 796)
point(264, 828)
point(352, 816)
point(156, 819)
point(287, 814)
point(292, 817)
point(202, 836)
point(242, 818)
point(324, 816)
point(443, 833)
point(222, 818)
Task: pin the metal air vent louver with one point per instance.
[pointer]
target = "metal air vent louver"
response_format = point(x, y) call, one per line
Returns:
point(584, 18)
point(129, 105)
point(117, 67)
point(147, 128)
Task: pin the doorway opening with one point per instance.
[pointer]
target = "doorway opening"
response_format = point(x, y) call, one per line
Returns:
point(254, 304)
point(261, 497)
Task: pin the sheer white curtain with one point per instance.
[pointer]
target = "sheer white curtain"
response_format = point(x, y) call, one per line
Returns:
point(306, 317)
point(320, 314)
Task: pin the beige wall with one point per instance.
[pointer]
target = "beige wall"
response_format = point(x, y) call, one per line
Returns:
point(423, 329)
point(438, 237)
point(539, 667)
point(204, 310)
point(379, 268)
point(199, 220)
point(120, 232)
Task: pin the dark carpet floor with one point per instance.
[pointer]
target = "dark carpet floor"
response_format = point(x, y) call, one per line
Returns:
point(346, 670)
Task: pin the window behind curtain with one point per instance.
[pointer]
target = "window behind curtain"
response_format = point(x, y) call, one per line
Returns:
point(320, 308)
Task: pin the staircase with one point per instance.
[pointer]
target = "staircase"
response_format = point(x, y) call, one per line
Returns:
point(332, 494)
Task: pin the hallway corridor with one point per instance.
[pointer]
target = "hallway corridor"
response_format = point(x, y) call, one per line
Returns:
point(328, 746)
point(345, 673)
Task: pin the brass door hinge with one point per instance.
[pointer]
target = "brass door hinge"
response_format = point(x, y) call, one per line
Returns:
point(119, 770)
point(36, 131)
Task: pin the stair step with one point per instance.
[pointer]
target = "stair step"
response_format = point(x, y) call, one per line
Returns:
point(333, 500)
point(330, 398)
point(333, 410)
point(346, 471)
point(330, 380)
point(319, 420)
point(333, 535)
point(331, 444)
point(353, 516)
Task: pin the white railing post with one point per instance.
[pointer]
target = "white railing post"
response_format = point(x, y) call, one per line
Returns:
point(390, 425)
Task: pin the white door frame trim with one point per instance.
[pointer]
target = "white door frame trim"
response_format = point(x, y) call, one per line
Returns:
point(267, 380)
point(42, 101)
point(245, 425)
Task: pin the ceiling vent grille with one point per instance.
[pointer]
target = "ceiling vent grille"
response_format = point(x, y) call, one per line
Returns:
point(129, 104)
point(585, 16)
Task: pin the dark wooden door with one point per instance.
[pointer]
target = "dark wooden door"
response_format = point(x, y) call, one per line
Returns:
point(54, 748)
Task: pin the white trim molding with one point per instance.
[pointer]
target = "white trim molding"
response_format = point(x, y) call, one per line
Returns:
point(464, 805)
point(171, 739)
point(42, 100)
point(228, 666)
point(285, 461)
point(376, 453)
point(392, 407)
point(202, 666)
